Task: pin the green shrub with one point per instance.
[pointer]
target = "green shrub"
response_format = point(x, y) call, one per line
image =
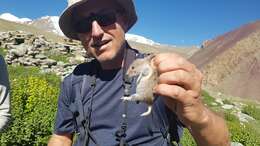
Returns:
point(34, 103)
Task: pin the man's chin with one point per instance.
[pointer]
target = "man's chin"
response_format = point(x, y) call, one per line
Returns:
point(103, 58)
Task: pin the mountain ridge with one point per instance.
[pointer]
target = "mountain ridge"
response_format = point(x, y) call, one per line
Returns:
point(231, 62)
point(218, 45)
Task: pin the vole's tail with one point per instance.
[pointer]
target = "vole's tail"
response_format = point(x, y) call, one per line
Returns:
point(148, 111)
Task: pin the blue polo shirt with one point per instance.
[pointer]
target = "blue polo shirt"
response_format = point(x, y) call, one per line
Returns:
point(107, 110)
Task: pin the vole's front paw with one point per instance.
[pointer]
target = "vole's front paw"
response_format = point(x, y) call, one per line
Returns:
point(129, 98)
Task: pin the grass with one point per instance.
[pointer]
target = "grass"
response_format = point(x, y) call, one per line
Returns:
point(207, 99)
point(187, 139)
point(56, 55)
point(226, 101)
point(245, 133)
point(252, 110)
point(61, 58)
point(2, 52)
point(21, 71)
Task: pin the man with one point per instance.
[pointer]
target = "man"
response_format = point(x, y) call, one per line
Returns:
point(94, 89)
point(4, 95)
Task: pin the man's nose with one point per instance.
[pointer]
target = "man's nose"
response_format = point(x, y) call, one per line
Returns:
point(97, 30)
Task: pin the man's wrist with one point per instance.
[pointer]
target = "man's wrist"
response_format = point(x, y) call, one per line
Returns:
point(210, 130)
point(205, 120)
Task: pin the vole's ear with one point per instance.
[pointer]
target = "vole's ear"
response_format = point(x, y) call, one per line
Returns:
point(151, 60)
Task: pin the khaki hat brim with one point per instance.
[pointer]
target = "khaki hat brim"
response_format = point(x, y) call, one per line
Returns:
point(66, 19)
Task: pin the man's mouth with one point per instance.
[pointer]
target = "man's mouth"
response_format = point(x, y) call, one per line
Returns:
point(100, 44)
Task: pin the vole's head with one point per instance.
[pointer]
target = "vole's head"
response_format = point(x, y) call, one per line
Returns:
point(141, 65)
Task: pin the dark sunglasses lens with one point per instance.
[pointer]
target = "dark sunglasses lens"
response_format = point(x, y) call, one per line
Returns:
point(107, 19)
point(83, 26)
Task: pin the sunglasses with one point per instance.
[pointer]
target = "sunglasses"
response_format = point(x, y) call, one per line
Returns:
point(84, 25)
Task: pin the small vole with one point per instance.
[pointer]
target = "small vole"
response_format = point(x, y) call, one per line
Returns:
point(147, 78)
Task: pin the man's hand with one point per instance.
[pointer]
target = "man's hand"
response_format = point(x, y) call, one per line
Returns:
point(180, 86)
point(60, 140)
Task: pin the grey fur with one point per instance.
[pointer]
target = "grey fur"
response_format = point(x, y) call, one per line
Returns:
point(146, 81)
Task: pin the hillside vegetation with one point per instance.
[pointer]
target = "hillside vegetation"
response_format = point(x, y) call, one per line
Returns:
point(34, 102)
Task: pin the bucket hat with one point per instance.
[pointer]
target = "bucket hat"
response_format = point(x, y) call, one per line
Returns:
point(66, 19)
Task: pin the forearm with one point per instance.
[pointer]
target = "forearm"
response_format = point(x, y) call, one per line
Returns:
point(60, 140)
point(212, 132)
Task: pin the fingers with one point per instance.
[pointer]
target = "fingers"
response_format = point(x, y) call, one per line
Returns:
point(176, 70)
point(169, 62)
point(178, 77)
point(179, 83)
point(177, 93)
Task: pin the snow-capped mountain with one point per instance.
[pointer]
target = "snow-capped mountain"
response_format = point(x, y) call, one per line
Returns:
point(47, 23)
point(50, 24)
point(10, 17)
point(140, 39)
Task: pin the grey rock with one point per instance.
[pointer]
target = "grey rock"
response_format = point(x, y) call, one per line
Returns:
point(40, 56)
point(30, 50)
point(19, 50)
point(227, 106)
point(236, 144)
point(49, 62)
point(244, 117)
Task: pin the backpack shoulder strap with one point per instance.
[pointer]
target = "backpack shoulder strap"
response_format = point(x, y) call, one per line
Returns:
point(175, 128)
point(81, 117)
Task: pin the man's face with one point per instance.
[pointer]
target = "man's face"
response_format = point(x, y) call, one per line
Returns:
point(102, 32)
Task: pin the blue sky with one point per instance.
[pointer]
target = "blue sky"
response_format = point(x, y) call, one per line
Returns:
point(176, 22)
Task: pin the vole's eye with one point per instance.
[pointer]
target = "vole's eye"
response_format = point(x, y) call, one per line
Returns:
point(132, 67)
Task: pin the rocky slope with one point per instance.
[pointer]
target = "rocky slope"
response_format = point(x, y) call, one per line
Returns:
point(27, 49)
point(231, 62)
